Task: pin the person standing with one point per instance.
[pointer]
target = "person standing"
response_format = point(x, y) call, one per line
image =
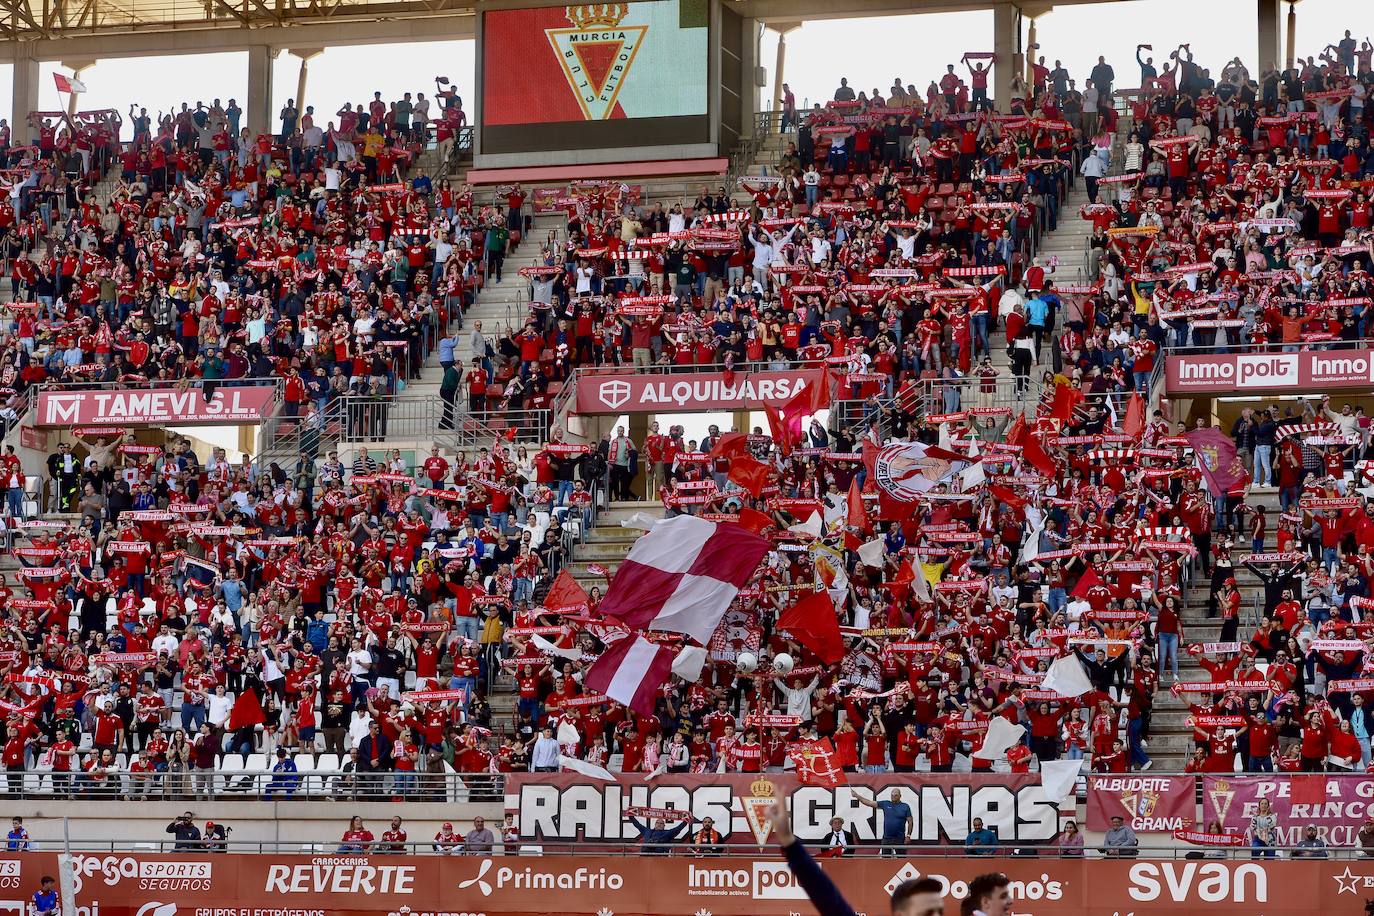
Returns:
point(65, 469)
point(897, 822)
point(620, 457)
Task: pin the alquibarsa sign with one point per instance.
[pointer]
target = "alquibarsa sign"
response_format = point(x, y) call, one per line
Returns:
point(689, 391)
point(1226, 373)
point(155, 406)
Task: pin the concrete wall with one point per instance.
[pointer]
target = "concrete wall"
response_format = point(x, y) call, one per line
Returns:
point(290, 823)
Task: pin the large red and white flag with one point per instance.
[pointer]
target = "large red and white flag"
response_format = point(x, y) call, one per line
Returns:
point(68, 83)
point(682, 576)
point(631, 671)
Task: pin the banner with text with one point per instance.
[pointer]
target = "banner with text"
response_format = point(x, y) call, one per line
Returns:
point(1336, 804)
point(572, 808)
point(1221, 373)
point(687, 392)
point(156, 406)
point(1148, 804)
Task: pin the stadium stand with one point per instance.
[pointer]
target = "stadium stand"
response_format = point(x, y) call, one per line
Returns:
point(297, 626)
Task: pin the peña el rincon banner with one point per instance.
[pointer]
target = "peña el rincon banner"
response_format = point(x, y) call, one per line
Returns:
point(1336, 804)
point(192, 884)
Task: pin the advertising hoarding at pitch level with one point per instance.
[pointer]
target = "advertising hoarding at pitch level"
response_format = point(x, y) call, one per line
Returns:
point(129, 884)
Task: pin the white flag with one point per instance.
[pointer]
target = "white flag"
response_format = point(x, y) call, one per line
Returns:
point(1066, 677)
point(1001, 736)
point(1058, 777)
point(586, 769)
point(871, 554)
point(689, 663)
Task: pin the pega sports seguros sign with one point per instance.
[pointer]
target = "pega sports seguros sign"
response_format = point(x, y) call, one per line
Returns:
point(684, 392)
point(190, 884)
point(155, 406)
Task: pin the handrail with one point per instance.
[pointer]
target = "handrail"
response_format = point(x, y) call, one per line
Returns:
point(739, 850)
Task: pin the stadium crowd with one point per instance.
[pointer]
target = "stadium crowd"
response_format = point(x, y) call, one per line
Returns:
point(203, 608)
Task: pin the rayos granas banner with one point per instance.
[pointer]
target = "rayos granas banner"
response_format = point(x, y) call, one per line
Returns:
point(568, 808)
point(191, 884)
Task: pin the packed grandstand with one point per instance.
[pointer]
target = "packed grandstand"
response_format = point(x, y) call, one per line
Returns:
point(980, 541)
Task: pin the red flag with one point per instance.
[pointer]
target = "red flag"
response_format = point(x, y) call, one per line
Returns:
point(565, 595)
point(857, 517)
point(754, 520)
point(813, 623)
point(1307, 789)
point(901, 583)
point(1065, 397)
point(1085, 582)
point(1005, 495)
point(749, 473)
point(1031, 450)
point(817, 764)
point(1134, 424)
point(247, 711)
point(785, 423)
point(777, 428)
point(730, 445)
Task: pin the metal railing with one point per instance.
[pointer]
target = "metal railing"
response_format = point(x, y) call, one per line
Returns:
point(748, 850)
point(228, 783)
point(376, 419)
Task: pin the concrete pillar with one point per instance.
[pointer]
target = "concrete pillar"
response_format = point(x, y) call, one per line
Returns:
point(638, 430)
point(1268, 32)
point(305, 54)
point(1289, 56)
point(782, 29)
point(25, 96)
point(1004, 45)
point(1032, 43)
point(259, 101)
point(753, 76)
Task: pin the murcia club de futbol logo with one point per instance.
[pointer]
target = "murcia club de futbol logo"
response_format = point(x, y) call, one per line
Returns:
point(596, 54)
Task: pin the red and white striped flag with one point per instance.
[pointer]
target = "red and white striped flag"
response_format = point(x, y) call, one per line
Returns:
point(631, 671)
point(682, 576)
point(68, 83)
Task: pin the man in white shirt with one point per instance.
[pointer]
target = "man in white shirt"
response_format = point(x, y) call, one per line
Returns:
point(166, 641)
point(544, 757)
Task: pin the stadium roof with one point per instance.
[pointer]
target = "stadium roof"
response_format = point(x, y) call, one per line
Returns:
point(28, 20)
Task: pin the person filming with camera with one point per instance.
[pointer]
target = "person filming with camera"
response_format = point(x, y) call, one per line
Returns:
point(186, 832)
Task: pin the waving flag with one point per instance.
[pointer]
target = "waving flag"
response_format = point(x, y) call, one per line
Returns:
point(682, 576)
point(631, 671)
point(812, 622)
point(68, 83)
